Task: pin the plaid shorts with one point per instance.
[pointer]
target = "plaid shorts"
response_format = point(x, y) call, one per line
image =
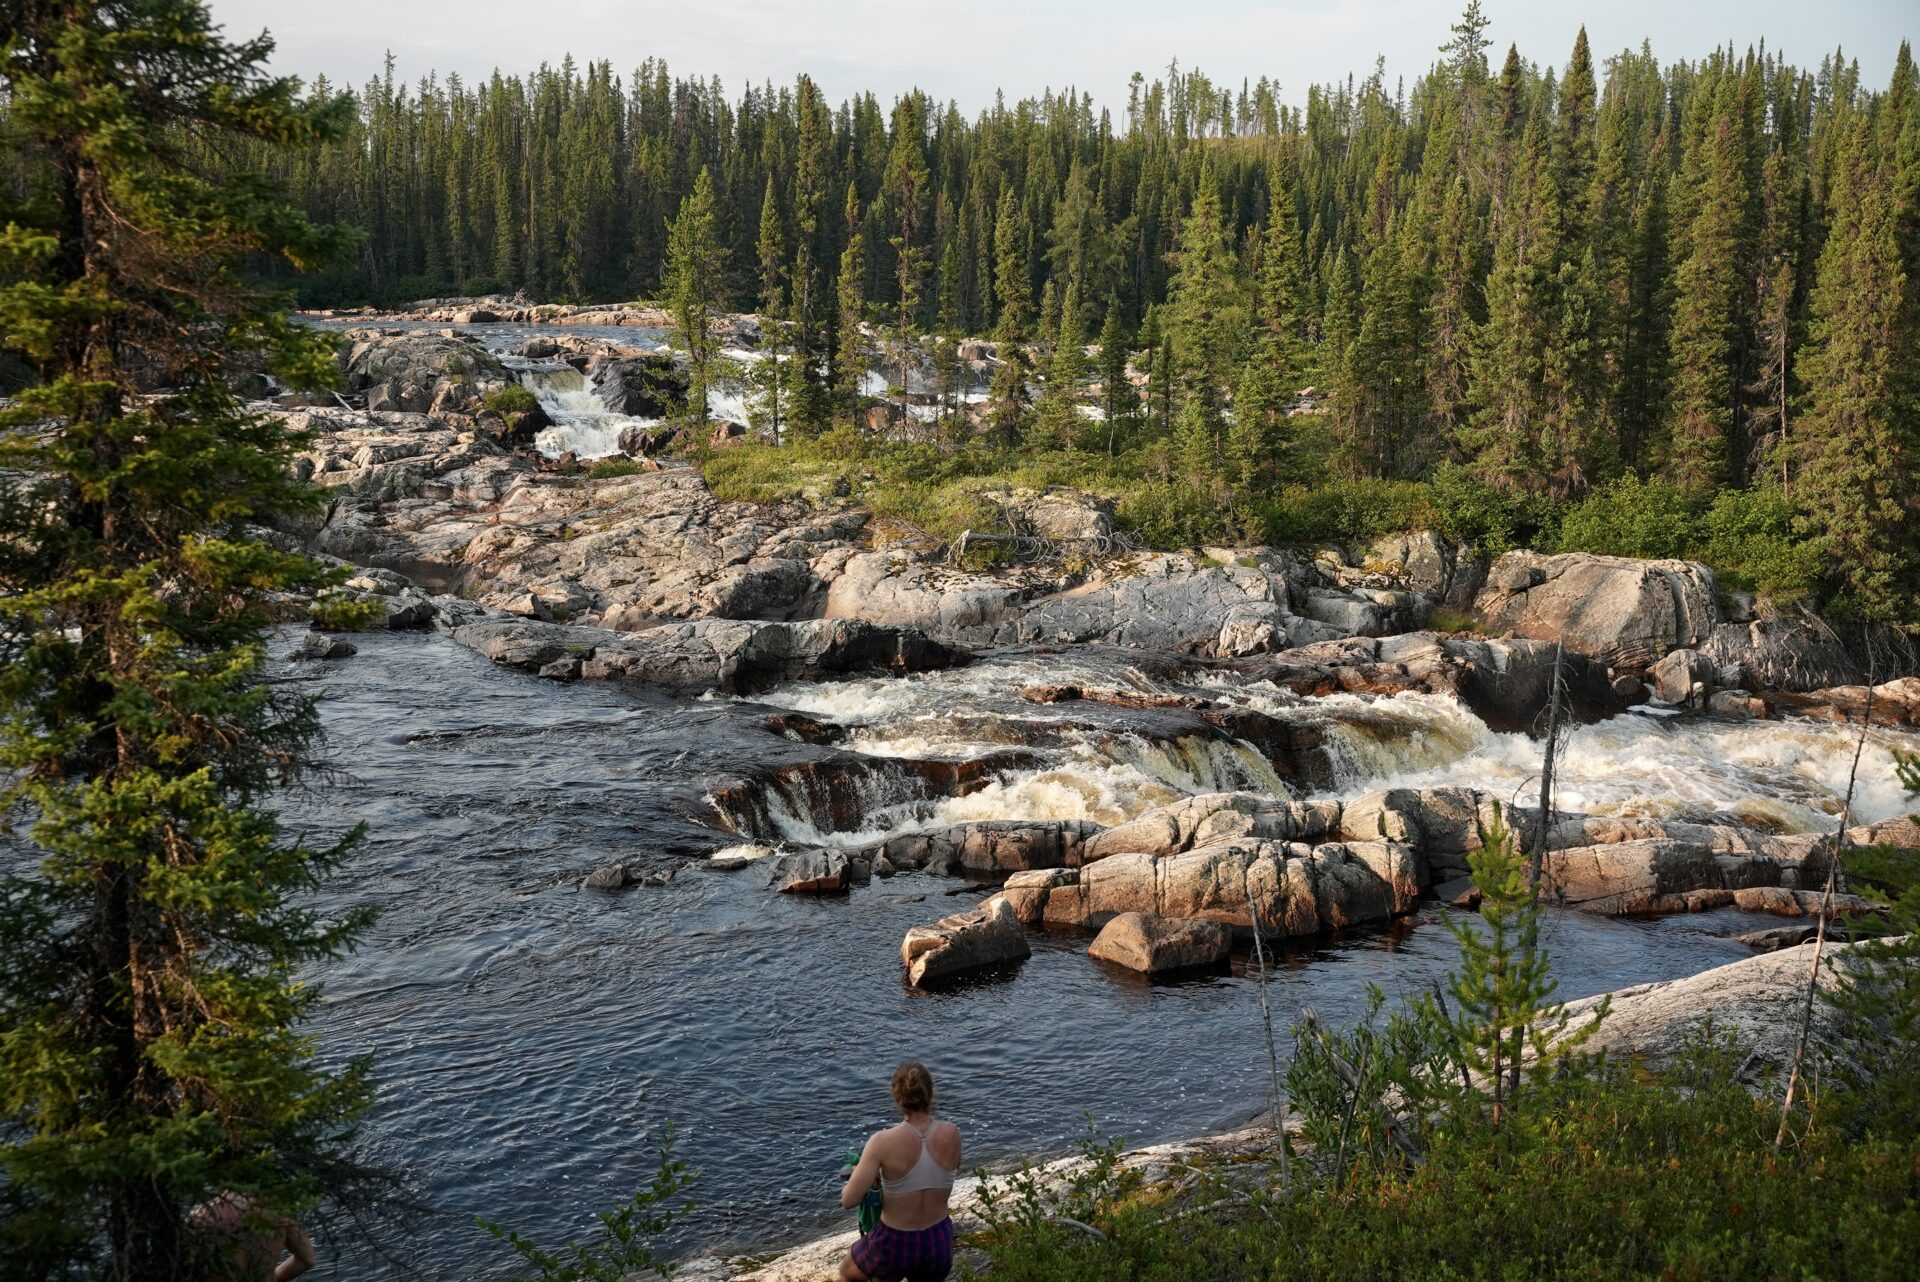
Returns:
point(895, 1255)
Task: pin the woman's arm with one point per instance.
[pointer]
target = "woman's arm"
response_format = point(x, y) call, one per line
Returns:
point(865, 1172)
point(300, 1256)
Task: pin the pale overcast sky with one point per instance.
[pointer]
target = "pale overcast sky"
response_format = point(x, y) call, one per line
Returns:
point(966, 49)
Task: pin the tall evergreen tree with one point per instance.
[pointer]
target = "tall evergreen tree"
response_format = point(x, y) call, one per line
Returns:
point(695, 263)
point(1859, 443)
point(1710, 280)
point(850, 349)
point(773, 324)
point(155, 975)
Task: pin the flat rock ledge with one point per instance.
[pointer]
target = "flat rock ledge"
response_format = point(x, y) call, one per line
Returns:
point(728, 655)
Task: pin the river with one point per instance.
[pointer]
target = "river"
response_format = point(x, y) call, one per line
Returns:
point(533, 1039)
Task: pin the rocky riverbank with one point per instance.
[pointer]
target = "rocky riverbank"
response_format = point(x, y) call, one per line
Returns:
point(1759, 1000)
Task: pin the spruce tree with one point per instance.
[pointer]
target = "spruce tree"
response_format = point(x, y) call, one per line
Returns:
point(773, 325)
point(1273, 369)
point(1011, 287)
point(158, 954)
point(1858, 447)
point(851, 356)
point(1118, 401)
point(1709, 283)
point(1058, 411)
point(1203, 319)
point(695, 263)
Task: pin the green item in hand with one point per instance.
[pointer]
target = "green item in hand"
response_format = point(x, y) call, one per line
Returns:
point(869, 1208)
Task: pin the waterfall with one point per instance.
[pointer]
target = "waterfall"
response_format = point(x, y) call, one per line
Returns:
point(582, 423)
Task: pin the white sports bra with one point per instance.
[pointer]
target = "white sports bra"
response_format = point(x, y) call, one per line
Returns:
point(927, 1173)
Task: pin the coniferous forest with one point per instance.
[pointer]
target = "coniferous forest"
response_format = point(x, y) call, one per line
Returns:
point(1684, 296)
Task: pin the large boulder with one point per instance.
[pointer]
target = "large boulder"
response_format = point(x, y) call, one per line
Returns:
point(1778, 654)
point(1624, 613)
point(648, 386)
point(982, 938)
point(1682, 677)
point(411, 371)
point(1154, 945)
point(809, 872)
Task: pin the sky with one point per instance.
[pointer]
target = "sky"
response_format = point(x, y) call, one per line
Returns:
point(966, 50)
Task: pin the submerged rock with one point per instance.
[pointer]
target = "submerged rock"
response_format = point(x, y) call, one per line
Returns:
point(1155, 945)
point(982, 938)
point(810, 872)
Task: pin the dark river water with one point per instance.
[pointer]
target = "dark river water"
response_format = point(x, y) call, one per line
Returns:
point(534, 1039)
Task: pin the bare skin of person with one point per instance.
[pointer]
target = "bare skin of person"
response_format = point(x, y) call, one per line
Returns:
point(915, 1163)
point(251, 1242)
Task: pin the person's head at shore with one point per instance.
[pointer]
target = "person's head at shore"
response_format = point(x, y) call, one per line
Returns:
point(912, 1090)
point(915, 1162)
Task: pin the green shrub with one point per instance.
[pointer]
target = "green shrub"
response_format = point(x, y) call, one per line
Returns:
point(512, 399)
point(608, 468)
point(1747, 537)
point(1632, 517)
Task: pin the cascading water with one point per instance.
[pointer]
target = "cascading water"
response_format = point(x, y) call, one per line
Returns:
point(1786, 775)
point(582, 424)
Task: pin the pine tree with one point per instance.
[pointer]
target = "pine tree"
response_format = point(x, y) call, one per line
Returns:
point(850, 350)
point(1008, 393)
point(695, 263)
point(1859, 441)
point(1506, 1028)
point(1273, 369)
point(773, 325)
point(1058, 411)
point(158, 954)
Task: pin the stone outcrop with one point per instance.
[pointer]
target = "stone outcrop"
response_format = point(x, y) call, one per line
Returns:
point(1777, 654)
point(1757, 1000)
point(1505, 682)
point(417, 371)
point(1156, 945)
point(988, 847)
point(650, 385)
point(809, 872)
point(980, 939)
point(1623, 613)
point(1289, 887)
point(734, 657)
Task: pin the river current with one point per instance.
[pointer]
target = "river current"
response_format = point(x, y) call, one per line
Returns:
point(534, 1039)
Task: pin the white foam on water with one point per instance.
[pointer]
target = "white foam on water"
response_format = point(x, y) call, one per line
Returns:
point(582, 424)
point(1790, 775)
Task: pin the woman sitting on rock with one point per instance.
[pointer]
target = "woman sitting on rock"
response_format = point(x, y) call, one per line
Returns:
point(915, 1163)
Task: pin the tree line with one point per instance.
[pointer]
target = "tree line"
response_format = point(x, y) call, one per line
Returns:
point(1700, 272)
